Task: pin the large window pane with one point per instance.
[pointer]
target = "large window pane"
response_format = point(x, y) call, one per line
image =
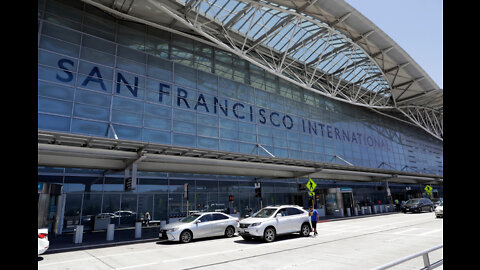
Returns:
point(51, 122)
point(73, 205)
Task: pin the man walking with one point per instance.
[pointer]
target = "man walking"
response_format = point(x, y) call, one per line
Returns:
point(314, 218)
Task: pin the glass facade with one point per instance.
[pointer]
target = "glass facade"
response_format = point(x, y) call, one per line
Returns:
point(101, 76)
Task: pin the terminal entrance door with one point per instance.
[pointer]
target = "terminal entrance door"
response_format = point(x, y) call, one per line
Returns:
point(347, 201)
point(50, 207)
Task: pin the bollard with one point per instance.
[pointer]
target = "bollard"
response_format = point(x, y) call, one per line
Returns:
point(355, 211)
point(381, 208)
point(348, 212)
point(78, 235)
point(138, 229)
point(363, 210)
point(110, 231)
point(370, 210)
point(375, 210)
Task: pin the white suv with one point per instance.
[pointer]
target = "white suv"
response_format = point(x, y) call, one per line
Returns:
point(271, 221)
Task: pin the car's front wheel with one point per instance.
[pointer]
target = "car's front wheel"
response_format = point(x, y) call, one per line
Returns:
point(305, 230)
point(229, 231)
point(269, 234)
point(185, 237)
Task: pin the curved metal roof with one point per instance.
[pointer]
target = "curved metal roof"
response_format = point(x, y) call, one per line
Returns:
point(325, 46)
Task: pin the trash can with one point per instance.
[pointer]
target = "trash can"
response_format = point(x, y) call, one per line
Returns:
point(101, 223)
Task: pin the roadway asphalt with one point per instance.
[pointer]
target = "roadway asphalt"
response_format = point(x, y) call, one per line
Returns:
point(97, 239)
point(348, 243)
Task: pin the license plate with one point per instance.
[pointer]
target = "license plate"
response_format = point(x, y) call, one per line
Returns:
point(242, 230)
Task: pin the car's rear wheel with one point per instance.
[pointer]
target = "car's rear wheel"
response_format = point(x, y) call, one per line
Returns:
point(269, 234)
point(229, 231)
point(185, 237)
point(305, 230)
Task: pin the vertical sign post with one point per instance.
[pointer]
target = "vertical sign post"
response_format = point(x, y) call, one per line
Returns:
point(185, 193)
point(311, 186)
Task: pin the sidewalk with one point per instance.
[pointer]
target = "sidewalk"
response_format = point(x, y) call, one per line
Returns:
point(98, 239)
point(126, 236)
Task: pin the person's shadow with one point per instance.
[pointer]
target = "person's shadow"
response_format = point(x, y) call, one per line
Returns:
point(40, 258)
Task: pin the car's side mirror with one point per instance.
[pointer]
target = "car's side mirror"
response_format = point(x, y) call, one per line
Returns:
point(278, 215)
point(197, 221)
point(246, 216)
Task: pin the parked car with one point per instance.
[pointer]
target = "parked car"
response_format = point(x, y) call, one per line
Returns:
point(417, 205)
point(436, 202)
point(43, 242)
point(215, 207)
point(198, 225)
point(439, 210)
point(127, 218)
point(271, 221)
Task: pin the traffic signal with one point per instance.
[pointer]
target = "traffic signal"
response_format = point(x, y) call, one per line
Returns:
point(258, 192)
point(128, 184)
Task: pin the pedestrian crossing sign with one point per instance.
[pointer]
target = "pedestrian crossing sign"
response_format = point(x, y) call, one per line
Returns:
point(311, 185)
point(428, 189)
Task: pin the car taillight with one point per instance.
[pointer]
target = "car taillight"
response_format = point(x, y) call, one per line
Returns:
point(42, 235)
point(238, 220)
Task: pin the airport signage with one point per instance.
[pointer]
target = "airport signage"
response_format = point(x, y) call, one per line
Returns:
point(185, 98)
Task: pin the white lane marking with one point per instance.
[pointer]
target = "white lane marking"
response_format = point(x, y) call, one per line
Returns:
point(430, 232)
point(223, 252)
point(404, 231)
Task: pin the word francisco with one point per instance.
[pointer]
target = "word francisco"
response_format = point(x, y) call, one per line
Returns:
point(216, 106)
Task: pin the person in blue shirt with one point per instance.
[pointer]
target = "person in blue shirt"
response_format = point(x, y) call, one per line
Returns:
point(314, 218)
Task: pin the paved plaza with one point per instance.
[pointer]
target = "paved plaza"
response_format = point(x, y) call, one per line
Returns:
point(362, 243)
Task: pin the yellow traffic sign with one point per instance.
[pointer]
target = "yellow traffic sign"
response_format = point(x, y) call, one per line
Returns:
point(311, 193)
point(311, 185)
point(428, 189)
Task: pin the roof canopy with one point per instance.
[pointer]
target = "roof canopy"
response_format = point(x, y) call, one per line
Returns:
point(325, 46)
point(57, 149)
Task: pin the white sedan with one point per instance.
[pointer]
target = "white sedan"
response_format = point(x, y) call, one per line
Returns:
point(197, 225)
point(439, 210)
point(42, 240)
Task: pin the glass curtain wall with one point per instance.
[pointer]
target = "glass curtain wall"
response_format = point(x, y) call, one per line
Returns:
point(104, 77)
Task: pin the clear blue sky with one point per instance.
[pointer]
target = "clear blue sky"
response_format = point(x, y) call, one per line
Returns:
point(415, 25)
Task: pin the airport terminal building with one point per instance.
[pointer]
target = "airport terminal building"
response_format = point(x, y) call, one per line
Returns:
point(139, 101)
